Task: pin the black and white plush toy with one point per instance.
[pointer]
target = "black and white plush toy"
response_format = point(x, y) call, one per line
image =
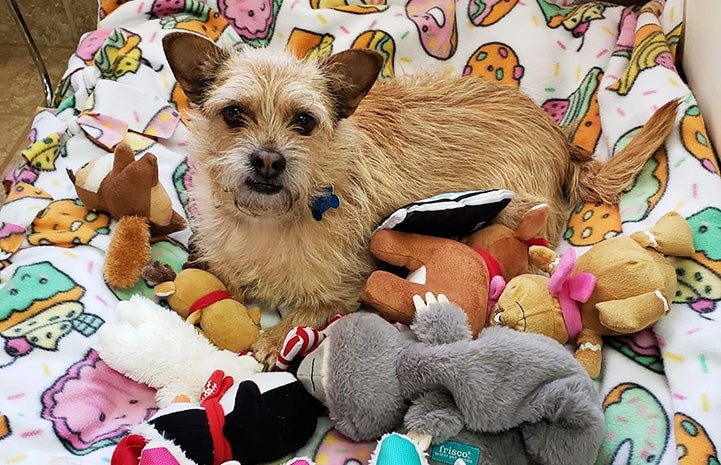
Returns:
point(239, 415)
point(449, 215)
point(255, 421)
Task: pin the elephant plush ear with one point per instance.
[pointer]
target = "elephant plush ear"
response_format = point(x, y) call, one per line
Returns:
point(357, 360)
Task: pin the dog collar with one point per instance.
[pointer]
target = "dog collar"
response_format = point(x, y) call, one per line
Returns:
point(324, 202)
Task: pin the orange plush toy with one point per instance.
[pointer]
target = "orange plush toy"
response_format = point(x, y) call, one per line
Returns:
point(470, 274)
point(129, 190)
point(619, 286)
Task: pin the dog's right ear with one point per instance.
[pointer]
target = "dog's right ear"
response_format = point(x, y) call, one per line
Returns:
point(194, 61)
point(351, 74)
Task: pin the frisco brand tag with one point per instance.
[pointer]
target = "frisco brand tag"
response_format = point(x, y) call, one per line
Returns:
point(456, 453)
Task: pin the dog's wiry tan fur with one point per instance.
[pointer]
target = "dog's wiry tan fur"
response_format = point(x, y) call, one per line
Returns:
point(407, 140)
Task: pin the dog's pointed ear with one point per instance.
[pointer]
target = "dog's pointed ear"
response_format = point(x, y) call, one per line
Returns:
point(194, 61)
point(351, 74)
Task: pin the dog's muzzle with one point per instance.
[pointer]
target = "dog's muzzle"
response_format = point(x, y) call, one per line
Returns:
point(267, 165)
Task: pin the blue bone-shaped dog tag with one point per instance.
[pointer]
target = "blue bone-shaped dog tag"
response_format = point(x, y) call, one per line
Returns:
point(324, 203)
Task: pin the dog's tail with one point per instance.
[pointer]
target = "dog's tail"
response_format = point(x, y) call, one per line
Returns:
point(594, 181)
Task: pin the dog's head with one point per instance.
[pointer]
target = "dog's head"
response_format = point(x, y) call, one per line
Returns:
point(264, 123)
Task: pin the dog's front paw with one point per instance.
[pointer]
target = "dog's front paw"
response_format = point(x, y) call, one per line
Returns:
point(267, 347)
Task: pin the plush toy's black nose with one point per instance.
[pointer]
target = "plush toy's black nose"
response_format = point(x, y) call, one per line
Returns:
point(267, 163)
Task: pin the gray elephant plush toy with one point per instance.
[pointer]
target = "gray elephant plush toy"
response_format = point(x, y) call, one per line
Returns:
point(519, 398)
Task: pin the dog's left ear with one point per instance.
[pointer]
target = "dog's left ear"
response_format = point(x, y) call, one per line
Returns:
point(351, 74)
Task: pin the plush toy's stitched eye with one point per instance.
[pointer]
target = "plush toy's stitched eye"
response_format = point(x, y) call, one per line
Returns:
point(233, 115)
point(304, 124)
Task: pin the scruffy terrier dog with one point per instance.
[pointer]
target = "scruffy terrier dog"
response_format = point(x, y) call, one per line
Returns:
point(272, 134)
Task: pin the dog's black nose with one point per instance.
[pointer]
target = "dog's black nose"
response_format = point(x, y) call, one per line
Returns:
point(267, 163)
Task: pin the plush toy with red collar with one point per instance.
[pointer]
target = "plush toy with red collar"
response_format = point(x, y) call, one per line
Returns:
point(203, 301)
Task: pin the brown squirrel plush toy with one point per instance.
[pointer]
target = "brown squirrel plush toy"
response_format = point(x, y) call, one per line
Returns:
point(129, 190)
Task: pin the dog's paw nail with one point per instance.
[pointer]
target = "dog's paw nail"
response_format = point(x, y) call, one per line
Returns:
point(265, 356)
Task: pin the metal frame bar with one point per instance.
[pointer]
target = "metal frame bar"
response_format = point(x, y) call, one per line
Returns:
point(34, 52)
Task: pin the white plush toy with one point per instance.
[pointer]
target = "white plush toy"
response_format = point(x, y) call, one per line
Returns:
point(152, 345)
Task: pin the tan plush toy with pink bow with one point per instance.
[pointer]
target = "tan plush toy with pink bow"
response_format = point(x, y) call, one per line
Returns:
point(619, 286)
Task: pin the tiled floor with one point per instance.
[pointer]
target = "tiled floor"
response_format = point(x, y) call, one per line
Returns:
point(23, 94)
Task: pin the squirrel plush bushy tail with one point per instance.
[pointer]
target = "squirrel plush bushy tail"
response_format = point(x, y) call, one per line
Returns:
point(128, 253)
point(592, 180)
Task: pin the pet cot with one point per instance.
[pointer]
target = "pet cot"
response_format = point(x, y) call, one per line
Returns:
point(599, 70)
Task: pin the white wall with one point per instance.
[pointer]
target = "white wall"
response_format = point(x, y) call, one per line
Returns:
point(702, 61)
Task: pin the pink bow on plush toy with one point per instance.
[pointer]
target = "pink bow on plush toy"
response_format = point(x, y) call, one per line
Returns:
point(495, 288)
point(570, 290)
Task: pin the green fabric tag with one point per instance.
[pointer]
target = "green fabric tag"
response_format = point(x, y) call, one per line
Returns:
point(449, 452)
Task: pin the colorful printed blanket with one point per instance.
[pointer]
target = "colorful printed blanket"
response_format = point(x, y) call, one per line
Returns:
point(600, 71)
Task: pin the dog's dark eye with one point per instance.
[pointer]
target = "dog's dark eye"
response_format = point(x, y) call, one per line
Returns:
point(233, 116)
point(304, 123)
